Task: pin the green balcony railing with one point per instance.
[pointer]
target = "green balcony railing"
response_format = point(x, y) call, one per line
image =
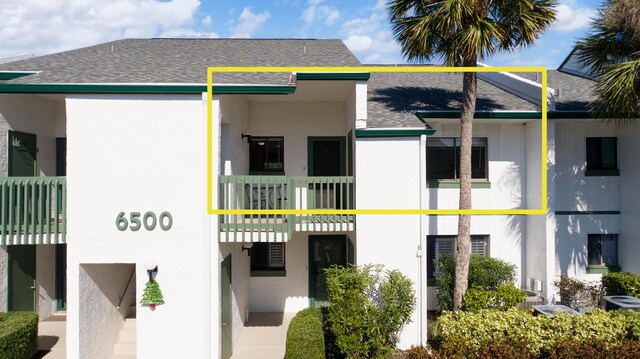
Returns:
point(282, 192)
point(33, 210)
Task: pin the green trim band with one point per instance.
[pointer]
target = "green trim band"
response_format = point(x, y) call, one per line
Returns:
point(268, 273)
point(456, 184)
point(602, 269)
point(571, 213)
point(10, 75)
point(310, 76)
point(479, 114)
point(601, 173)
point(372, 132)
point(145, 89)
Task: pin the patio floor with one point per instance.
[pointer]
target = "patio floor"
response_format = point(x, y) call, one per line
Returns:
point(264, 336)
point(52, 338)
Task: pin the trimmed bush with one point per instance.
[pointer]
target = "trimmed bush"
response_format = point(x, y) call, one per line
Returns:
point(368, 309)
point(595, 349)
point(305, 338)
point(504, 297)
point(621, 283)
point(18, 335)
point(417, 352)
point(470, 331)
point(484, 273)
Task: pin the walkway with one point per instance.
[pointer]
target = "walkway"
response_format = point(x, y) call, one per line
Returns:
point(52, 338)
point(263, 337)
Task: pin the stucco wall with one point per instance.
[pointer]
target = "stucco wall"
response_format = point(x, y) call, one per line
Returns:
point(234, 151)
point(629, 240)
point(4, 285)
point(46, 279)
point(32, 114)
point(296, 121)
point(575, 191)
point(240, 282)
point(285, 294)
point(142, 153)
point(100, 320)
point(391, 240)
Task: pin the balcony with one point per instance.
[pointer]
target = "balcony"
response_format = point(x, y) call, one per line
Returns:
point(282, 193)
point(33, 210)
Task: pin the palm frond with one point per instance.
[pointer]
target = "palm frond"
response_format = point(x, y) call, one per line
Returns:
point(618, 93)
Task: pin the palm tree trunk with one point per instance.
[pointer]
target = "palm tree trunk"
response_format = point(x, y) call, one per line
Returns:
point(462, 252)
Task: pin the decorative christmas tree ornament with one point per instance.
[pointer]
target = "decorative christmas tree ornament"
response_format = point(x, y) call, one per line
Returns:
point(152, 295)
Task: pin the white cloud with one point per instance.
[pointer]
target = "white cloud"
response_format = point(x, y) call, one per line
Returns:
point(370, 38)
point(326, 14)
point(207, 20)
point(42, 27)
point(249, 22)
point(570, 18)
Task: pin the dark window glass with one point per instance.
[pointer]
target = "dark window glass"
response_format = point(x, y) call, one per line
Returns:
point(443, 158)
point(266, 154)
point(267, 256)
point(437, 245)
point(602, 249)
point(601, 153)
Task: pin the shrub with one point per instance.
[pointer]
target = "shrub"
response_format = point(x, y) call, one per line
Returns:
point(471, 330)
point(577, 294)
point(504, 297)
point(305, 338)
point(417, 352)
point(484, 273)
point(622, 283)
point(18, 335)
point(499, 349)
point(368, 309)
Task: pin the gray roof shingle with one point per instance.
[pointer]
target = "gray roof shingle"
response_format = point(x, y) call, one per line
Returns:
point(392, 97)
point(180, 60)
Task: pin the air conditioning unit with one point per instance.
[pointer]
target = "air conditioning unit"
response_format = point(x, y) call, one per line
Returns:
point(624, 302)
point(552, 310)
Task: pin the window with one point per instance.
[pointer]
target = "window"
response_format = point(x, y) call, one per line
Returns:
point(437, 245)
point(266, 154)
point(443, 158)
point(268, 259)
point(602, 156)
point(602, 250)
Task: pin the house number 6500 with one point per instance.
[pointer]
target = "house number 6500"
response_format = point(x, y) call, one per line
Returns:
point(149, 221)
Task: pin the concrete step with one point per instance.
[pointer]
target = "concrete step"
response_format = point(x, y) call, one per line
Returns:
point(129, 324)
point(123, 356)
point(124, 348)
point(127, 336)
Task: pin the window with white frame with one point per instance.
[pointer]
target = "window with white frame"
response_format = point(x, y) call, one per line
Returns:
point(439, 245)
point(268, 257)
point(602, 249)
point(443, 158)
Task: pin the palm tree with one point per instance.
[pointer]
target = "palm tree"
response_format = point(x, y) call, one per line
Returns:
point(612, 51)
point(461, 32)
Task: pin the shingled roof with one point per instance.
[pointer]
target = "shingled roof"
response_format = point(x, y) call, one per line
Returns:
point(393, 97)
point(180, 61)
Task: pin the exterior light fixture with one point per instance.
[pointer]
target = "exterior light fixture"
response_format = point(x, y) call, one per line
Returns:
point(152, 268)
point(247, 247)
point(246, 134)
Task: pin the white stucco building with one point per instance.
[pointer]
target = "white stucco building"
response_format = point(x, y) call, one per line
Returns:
point(116, 136)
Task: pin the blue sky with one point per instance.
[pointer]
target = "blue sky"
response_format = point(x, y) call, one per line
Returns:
point(46, 26)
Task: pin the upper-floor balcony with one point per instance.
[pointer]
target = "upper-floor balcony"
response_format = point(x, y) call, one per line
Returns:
point(269, 193)
point(33, 210)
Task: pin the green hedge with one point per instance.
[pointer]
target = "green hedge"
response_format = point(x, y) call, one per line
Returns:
point(622, 283)
point(471, 331)
point(503, 297)
point(18, 335)
point(305, 337)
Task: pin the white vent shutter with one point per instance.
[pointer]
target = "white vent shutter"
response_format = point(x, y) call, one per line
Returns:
point(276, 255)
point(478, 245)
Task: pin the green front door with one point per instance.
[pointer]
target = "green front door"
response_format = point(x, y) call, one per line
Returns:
point(22, 154)
point(22, 277)
point(324, 251)
point(225, 309)
point(326, 158)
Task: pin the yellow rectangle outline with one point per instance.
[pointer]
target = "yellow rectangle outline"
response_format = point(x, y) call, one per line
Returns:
point(370, 69)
